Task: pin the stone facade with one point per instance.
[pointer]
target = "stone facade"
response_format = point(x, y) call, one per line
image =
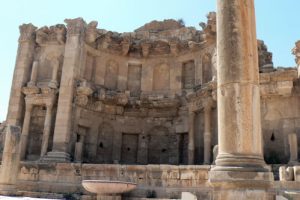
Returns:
point(134, 106)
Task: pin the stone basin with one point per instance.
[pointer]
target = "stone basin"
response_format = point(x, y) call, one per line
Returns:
point(108, 187)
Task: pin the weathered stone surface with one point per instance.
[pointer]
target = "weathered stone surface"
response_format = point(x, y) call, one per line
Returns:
point(149, 97)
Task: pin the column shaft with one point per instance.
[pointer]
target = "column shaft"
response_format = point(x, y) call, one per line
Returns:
point(21, 74)
point(25, 130)
point(10, 161)
point(70, 70)
point(191, 144)
point(239, 123)
point(34, 73)
point(47, 129)
point(54, 82)
point(293, 143)
point(207, 135)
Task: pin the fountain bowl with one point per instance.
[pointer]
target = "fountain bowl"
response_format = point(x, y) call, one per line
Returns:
point(108, 187)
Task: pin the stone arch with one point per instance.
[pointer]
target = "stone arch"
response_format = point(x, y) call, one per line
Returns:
point(111, 75)
point(104, 143)
point(161, 77)
point(158, 145)
point(206, 68)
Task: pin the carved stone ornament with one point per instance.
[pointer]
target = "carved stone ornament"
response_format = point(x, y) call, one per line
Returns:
point(27, 33)
point(75, 26)
point(296, 52)
point(81, 100)
point(91, 32)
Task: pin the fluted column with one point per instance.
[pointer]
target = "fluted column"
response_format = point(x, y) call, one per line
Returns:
point(47, 129)
point(34, 73)
point(21, 74)
point(25, 130)
point(207, 133)
point(191, 143)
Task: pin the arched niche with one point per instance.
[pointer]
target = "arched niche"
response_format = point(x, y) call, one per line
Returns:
point(158, 145)
point(104, 143)
point(161, 77)
point(111, 75)
point(206, 68)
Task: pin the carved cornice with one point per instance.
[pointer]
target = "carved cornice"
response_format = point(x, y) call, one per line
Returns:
point(40, 96)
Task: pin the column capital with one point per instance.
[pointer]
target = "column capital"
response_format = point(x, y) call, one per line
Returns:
point(75, 26)
point(49, 105)
point(27, 33)
point(296, 52)
point(208, 104)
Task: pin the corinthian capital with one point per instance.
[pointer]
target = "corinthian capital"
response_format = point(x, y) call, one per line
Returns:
point(75, 26)
point(27, 32)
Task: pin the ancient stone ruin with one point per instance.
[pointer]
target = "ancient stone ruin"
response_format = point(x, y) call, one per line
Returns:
point(151, 106)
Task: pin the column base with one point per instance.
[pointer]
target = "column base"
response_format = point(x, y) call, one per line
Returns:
point(56, 156)
point(249, 163)
point(53, 84)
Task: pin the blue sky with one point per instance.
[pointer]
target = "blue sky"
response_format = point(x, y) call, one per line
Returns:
point(278, 23)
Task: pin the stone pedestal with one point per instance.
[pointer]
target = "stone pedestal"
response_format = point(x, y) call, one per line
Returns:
point(240, 171)
point(228, 185)
point(10, 161)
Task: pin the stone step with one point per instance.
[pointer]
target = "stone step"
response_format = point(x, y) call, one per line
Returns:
point(45, 195)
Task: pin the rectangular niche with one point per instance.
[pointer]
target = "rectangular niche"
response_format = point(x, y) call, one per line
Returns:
point(134, 79)
point(188, 75)
point(183, 148)
point(129, 148)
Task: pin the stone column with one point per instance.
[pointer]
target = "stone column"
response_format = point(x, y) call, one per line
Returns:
point(25, 130)
point(240, 171)
point(191, 144)
point(47, 129)
point(293, 148)
point(21, 74)
point(34, 73)
point(70, 70)
point(79, 144)
point(10, 161)
point(53, 83)
point(207, 132)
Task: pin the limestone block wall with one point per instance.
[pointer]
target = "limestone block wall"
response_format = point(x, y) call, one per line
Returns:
point(162, 181)
point(280, 113)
